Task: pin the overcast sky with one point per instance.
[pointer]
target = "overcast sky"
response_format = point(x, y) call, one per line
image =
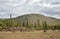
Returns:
point(21, 7)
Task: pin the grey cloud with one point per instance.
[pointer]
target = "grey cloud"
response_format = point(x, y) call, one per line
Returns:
point(19, 7)
point(51, 11)
point(55, 2)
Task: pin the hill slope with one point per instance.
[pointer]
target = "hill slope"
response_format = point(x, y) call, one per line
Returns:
point(33, 18)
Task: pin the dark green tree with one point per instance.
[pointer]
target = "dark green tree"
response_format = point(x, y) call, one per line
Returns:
point(27, 24)
point(55, 27)
point(39, 26)
point(11, 23)
point(58, 27)
point(44, 26)
point(31, 26)
point(35, 26)
point(23, 24)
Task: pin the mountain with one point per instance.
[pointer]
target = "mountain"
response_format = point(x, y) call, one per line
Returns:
point(33, 18)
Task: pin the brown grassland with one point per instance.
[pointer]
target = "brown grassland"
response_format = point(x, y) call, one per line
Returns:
point(30, 35)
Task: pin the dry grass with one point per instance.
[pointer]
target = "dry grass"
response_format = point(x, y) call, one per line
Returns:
point(30, 35)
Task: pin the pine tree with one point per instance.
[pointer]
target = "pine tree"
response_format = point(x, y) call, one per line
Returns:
point(1, 25)
point(23, 24)
point(58, 27)
point(35, 26)
point(55, 27)
point(12, 23)
point(5, 24)
point(30, 26)
point(39, 26)
point(44, 26)
point(11, 20)
point(27, 24)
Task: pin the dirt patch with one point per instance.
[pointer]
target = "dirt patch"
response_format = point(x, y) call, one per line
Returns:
point(31, 35)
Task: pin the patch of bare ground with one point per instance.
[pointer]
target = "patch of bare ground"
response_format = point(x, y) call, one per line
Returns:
point(31, 35)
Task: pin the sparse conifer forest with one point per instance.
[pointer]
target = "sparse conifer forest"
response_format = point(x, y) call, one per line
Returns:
point(11, 25)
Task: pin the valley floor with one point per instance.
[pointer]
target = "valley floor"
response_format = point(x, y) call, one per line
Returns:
point(31, 35)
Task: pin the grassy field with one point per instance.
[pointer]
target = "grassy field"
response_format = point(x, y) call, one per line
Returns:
point(31, 35)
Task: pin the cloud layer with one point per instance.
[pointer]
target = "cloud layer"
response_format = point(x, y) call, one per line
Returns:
point(20, 7)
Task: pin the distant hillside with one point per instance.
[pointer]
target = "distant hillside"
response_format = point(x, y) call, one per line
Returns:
point(29, 22)
point(33, 18)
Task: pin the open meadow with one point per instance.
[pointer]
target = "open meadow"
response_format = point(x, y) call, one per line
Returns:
point(30, 35)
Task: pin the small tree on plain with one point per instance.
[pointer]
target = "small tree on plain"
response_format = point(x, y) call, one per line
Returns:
point(44, 26)
point(35, 26)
